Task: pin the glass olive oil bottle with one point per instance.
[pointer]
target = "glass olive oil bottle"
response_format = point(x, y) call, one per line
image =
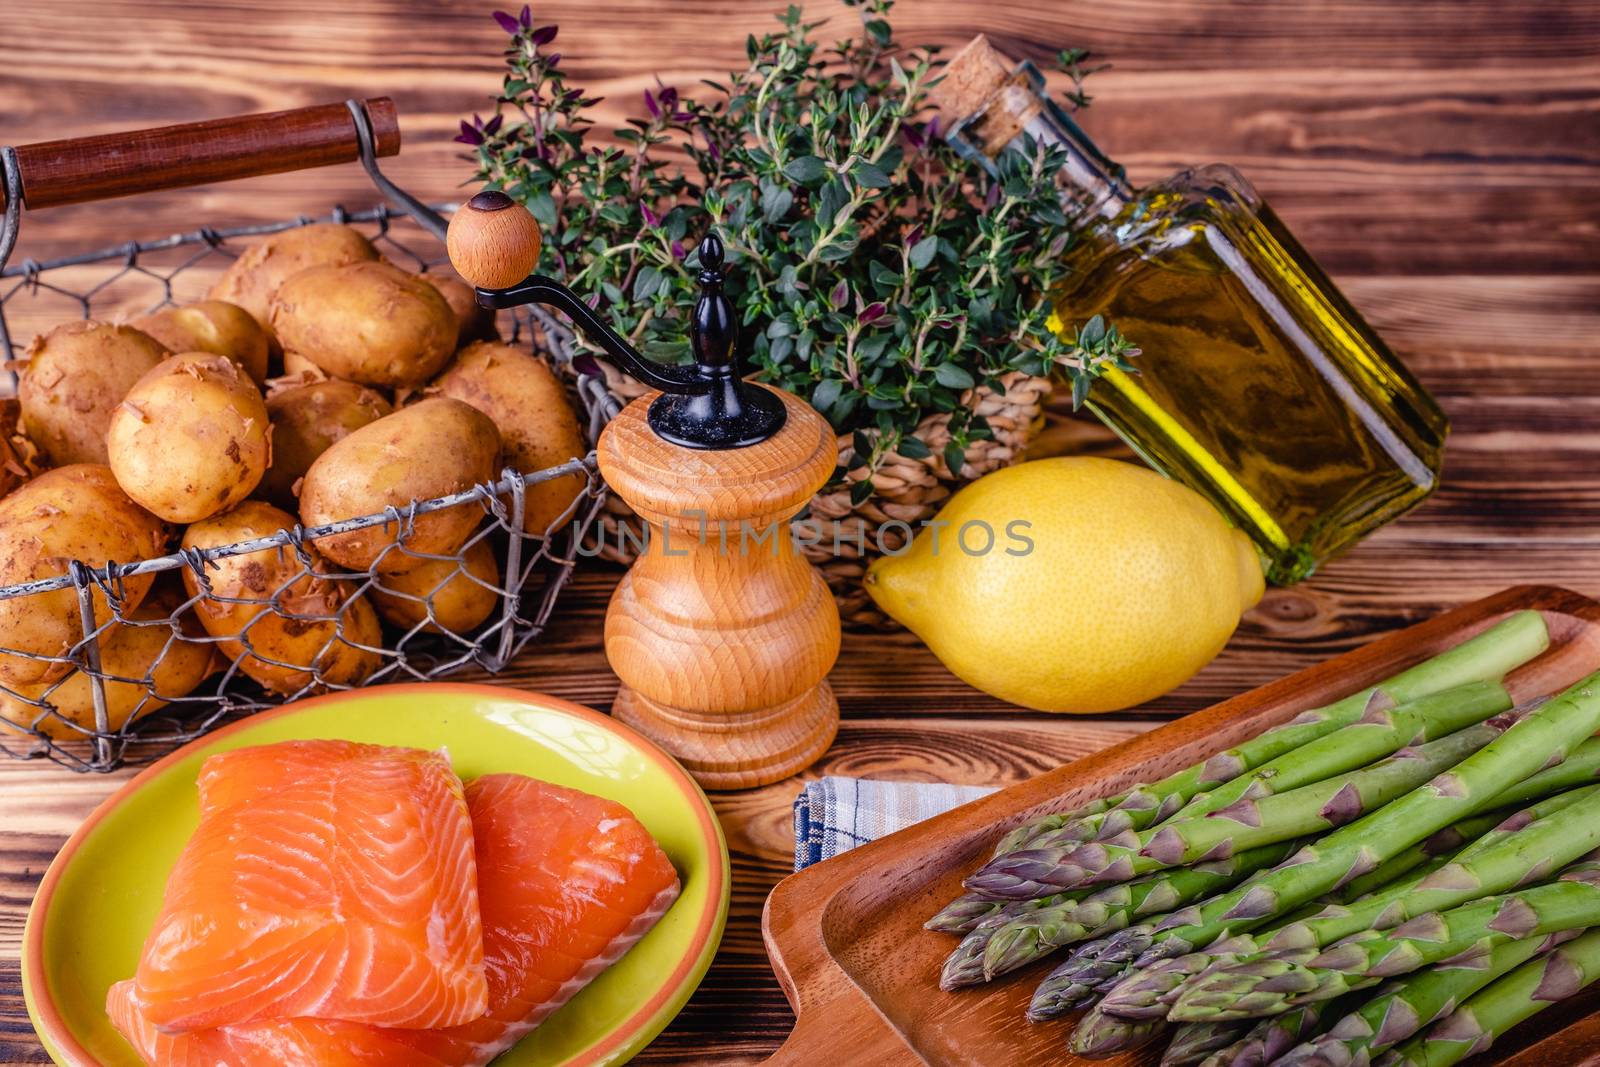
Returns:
point(1258, 384)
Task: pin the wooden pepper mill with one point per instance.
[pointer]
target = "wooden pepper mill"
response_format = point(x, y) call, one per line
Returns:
point(721, 632)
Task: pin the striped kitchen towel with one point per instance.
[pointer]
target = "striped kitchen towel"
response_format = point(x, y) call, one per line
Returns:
point(834, 815)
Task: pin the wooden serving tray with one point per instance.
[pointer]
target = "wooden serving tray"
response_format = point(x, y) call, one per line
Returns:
point(846, 939)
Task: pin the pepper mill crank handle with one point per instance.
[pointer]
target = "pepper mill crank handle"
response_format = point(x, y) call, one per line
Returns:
point(537, 289)
point(494, 244)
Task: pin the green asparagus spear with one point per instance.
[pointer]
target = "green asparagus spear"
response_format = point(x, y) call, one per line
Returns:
point(1262, 1043)
point(1160, 980)
point(964, 965)
point(1176, 975)
point(1524, 850)
point(1407, 1004)
point(1078, 981)
point(1037, 933)
point(1146, 992)
point(1381, 730)
point(968, 911)
point(1580, 768)
point(1231, 1055)
point(1247, 823)
point(1542, 737)
point(1448, 845)
point(1021, 836)
point(1510, 820)
point(1270, 1038)
point(1502, 1004)
point(1094, 968)
point(1272, 984)
point(1422, 858)
point(1192, 1042)
point(1090, 970)
point(1098, 1035)
point(1099, 967)
point(965, 912)
point(1086, 828)
point(1488, 656)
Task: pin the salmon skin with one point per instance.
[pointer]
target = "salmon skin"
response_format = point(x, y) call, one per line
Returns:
point(326, 879)
point(568, 882)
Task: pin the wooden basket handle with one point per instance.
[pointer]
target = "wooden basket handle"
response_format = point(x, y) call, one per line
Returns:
point(82, 169)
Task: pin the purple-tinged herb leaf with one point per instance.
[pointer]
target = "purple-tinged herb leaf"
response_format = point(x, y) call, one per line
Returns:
point(838, 259)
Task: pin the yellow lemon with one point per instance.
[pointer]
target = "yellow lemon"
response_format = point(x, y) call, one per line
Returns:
point(1074, 584)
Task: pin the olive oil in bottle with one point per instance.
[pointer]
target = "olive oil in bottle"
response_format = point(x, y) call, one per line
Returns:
point(1258, 384)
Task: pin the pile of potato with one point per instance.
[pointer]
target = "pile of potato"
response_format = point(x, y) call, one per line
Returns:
point(390, 387)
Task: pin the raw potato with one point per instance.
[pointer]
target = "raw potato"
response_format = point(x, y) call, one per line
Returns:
point(366, 322)
point(306, 420)
point(252, 279)
point(433, 448)
point(474, 321)
point(212, 326)
point(191, 438)
point(74, 512)
point(282, 651)
point(538, 428)
point(297, 366)
point(13, 463)
point(74, 378)
point(459, 603)
point(126, 652)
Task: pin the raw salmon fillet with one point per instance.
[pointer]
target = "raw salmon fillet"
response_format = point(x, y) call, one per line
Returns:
point(568, 882)
point(326, 879)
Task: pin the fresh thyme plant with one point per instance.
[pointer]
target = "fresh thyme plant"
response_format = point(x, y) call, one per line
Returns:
point(877, 272)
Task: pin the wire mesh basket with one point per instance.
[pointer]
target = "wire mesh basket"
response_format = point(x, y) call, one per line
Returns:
point(165, 648)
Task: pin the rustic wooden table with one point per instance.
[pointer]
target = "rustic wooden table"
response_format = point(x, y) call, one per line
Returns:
point(1439, 156)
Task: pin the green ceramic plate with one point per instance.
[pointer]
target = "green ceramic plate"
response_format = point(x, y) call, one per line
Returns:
point(102, 893)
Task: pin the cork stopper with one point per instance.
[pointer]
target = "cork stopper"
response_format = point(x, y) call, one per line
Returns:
point(976, 73)
point(983, 90)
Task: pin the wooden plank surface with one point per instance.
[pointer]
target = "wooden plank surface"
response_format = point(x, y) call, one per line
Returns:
point(1438, 156)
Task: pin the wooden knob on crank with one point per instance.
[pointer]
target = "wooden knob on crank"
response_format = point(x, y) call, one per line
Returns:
point(493, 241)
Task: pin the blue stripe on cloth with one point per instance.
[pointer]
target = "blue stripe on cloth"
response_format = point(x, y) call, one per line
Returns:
point(833, 815)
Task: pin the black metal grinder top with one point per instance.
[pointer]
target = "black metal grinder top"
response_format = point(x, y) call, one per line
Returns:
point(494, 244)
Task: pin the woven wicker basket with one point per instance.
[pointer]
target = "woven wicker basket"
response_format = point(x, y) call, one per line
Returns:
point(909, 491)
